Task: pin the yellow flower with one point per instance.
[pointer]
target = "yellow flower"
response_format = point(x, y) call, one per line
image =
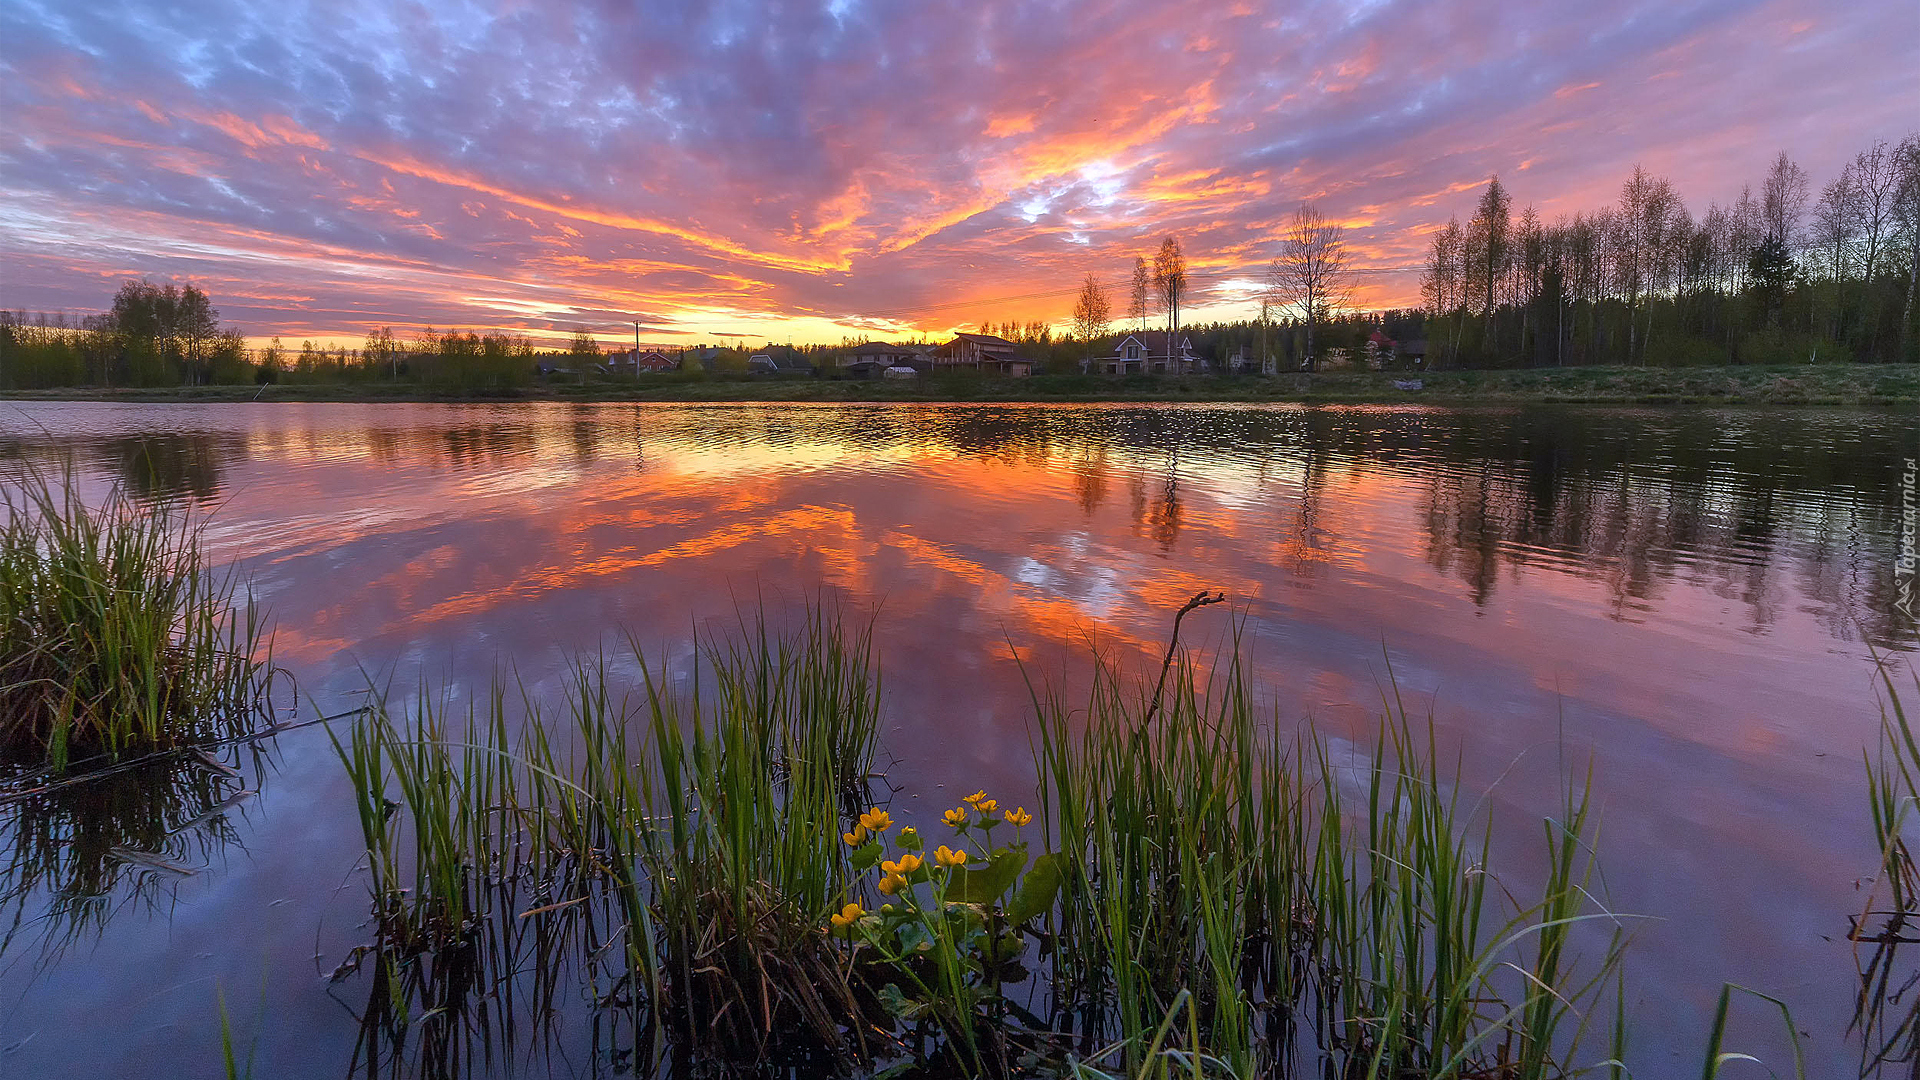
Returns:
point(847, 917)
point(876, 821)
point(908, 864)
point(908, 835)
point(857, 837)
point(987, 806)
point(892, 884)
point(1018, 816)
point(955, 817)
point(976, 798)
point(946, 856)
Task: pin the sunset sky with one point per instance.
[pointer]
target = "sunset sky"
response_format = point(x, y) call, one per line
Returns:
point(804, 172)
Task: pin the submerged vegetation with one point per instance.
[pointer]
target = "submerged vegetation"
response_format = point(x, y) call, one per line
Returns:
point(1213, 897)
point(115, 638)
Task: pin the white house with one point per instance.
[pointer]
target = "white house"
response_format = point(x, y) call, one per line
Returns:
point(1147, 351)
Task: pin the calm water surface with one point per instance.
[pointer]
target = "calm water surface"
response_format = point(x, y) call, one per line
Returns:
point(1688, 599)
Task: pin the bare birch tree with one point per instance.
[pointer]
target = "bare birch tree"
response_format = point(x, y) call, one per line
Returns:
point(1170, 286)
point(1443, 286)
point(1907, 214)
point(1140, 303)
point(1783, 198)
point(1092, 312)
point(1309, 275)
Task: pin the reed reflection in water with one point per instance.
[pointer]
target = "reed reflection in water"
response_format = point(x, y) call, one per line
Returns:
point(1689, 595)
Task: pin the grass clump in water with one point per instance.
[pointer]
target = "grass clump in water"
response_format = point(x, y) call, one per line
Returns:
point(669, 833)
point(1326, 916)
point(115, 639)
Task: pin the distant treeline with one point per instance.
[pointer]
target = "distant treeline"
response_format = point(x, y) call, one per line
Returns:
point(1780, 276)
point(171, 335)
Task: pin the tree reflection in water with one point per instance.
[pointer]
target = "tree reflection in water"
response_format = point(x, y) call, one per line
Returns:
point(82, 848)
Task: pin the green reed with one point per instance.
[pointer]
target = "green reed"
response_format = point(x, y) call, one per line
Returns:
point(750, 781)
point(481, 902)
point(1885, 1015)
point(1204, 853)
point(115, 638)
point(704, 820)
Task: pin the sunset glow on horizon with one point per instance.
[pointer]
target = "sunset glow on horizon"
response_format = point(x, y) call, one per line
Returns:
point(810, 172)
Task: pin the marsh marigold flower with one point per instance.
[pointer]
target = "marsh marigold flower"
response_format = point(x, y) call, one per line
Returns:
point(908, 864)
point(847, 917)
point(857, 837)
point(876, 821)
point(1018, 816)
point(946, 856)
point(892, 884)
point(987, 806)
point(955, 817)
point(976, 798)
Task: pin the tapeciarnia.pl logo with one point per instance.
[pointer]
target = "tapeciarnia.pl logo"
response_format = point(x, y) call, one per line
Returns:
point(1903, 566)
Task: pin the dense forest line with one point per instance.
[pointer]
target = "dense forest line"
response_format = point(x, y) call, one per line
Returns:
point(1781, 275)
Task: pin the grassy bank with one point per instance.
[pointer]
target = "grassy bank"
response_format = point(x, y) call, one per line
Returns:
point(1826, 384)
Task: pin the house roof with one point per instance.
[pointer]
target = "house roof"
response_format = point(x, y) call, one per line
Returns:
point(998, 348)
point(782, 358)
point(1154, 342)
point(878, 348)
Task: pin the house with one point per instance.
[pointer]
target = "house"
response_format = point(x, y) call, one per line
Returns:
point(982, 352)
point(1245, 360)
point(1147, 351)
point(636, 361)
point(779, 360)
point(872, 359)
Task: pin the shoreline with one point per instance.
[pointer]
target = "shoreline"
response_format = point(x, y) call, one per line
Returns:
point(1859, 385)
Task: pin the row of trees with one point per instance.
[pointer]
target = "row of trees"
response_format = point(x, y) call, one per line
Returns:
point(1307, 279)
point(153, 335)
point(1781, 275)
point(1157, 287)
point(171, 335)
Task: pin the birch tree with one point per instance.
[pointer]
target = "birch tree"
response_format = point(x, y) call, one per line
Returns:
point(1092, 312)
point(1783, 199)
point(1309, 275)
point(1140, 301)
point(1170, 286)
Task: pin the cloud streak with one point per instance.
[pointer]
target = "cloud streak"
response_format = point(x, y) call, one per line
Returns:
point(810, 171)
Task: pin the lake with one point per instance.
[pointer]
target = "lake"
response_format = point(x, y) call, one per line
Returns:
point(1690, 600)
